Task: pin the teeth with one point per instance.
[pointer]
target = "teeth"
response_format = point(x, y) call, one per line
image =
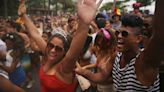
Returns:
point(120, 42)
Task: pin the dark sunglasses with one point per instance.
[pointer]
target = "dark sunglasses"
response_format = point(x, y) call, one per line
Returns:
point(57, 48)
point(123, 33)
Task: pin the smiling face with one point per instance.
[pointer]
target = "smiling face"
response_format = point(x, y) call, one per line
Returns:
point(127, 39)
point(55, 50)
point(129, 35)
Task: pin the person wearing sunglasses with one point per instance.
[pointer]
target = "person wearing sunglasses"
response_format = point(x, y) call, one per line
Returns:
point(57, 70)
point(6, 84)
point(15, 48)
point(105, 43)
point(135, 70)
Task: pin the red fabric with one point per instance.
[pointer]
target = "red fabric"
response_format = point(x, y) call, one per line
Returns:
point(50, 83)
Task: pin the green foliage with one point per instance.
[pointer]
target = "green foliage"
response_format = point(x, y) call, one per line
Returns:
point(119, 4)
point(109, 5)
point(66, 4)
point(36, 3)
point(145, 2)
point(11, 7)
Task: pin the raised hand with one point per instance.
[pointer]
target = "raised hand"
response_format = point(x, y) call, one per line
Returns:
point(22, 8)
point(86, 10)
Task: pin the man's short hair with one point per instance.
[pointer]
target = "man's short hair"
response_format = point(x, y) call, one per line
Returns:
point(132, 21)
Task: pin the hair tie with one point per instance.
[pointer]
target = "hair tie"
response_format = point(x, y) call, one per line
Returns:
point(106, 34)
point(63, 34)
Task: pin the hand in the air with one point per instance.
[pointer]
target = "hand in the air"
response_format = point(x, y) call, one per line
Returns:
point(22, 8)
point(86, 9)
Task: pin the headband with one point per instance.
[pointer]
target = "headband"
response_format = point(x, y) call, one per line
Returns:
point(106, 34)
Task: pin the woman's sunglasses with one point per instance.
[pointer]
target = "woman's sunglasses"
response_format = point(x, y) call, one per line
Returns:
point(123, 33)
point(57, 48)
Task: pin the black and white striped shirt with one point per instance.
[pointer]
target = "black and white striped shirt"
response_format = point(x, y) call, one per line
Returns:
point(4, 74)
point(125, 79)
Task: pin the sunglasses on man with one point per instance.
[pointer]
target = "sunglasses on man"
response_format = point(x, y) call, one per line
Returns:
point(57, 48)
point(123, 33)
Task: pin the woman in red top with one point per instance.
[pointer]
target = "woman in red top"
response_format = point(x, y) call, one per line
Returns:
point(57, 71)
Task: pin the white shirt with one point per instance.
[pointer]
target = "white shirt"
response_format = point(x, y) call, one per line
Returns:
point(3, 49)
point(9, 59)
point(3, 46)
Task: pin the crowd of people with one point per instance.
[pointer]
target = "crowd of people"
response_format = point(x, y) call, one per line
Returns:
point(88, 51)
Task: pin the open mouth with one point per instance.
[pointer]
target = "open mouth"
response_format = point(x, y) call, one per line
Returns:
point(120, 44)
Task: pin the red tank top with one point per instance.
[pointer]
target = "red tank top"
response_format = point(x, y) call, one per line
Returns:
point(50, 83)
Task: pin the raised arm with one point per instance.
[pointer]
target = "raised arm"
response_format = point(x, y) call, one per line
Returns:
point(150, 59)
point(86, 10)
point(32, 30)
point(90, 66)
point(154, 52)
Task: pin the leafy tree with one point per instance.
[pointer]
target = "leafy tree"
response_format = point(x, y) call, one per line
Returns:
point(109, 5)
point(67, 4)
point(10, 8)
point(145, 2)
point(36, 3)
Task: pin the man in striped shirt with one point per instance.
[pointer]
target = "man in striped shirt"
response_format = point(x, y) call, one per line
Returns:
point(5, 84)
point(135, 70)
